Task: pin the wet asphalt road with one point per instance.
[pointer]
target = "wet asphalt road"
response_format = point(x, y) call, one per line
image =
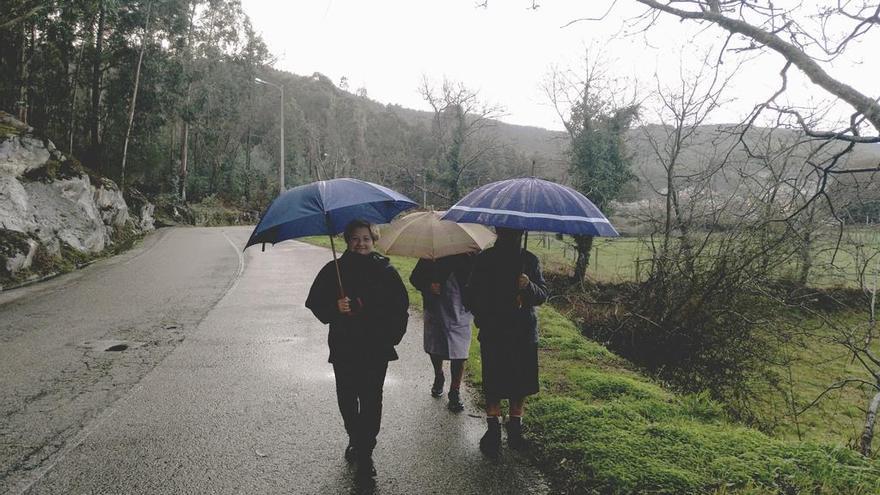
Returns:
point(224, 386)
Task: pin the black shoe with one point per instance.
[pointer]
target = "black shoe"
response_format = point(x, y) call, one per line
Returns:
point(366, 468)
point(350, 452)
point(437, 387)
point(490, 444)
point(455, 404)
point(515, 439)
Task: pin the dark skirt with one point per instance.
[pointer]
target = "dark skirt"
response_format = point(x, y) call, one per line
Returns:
point(510, 368)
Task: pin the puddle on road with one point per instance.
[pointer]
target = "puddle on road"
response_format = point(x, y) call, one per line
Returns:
point(111, 345)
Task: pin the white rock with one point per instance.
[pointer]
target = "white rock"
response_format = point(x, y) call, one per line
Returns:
point(14, 206)
point(147, 221)
point(114, 211)
point(72, 210)
point(64, 210)
point(19, 155)
point(22, 261)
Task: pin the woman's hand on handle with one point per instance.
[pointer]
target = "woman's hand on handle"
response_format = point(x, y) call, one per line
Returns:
point(344, 305)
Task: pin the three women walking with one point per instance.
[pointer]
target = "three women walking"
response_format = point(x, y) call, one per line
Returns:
point(367, 315)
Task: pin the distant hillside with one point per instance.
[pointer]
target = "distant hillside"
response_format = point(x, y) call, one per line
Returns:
point(546, 147)
point(389, 143)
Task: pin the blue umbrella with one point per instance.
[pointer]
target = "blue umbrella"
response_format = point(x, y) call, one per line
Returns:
point(326, 207)
point(533, 204)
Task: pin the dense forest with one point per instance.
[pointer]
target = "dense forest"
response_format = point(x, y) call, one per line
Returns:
point(161, 95)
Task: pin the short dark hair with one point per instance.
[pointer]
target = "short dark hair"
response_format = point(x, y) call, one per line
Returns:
point(357, 224)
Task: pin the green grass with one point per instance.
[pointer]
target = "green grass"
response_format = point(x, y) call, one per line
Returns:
point(816, 363)
point(602, 427)
point(837, 265)
point(598, 426)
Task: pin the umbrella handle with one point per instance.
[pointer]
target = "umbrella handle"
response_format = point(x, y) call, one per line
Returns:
point(519, 299)
point(335, 261)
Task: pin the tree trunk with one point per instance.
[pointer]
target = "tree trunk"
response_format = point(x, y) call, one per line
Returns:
point(184, 148)
point(583, 245)
point(806, 259)
point(21, 104)
point(868, 432)
point(71, 123)
point(184, 137)
point(95, 109)
point(137, 80)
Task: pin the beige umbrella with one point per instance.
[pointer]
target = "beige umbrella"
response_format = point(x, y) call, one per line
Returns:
point(424, 235)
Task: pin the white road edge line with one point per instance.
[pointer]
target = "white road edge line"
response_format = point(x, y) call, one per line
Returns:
point(240, 270)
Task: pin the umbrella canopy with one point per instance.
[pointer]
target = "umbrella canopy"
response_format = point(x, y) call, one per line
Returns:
point(326, 207)
point(425, 235)
point(532, 204)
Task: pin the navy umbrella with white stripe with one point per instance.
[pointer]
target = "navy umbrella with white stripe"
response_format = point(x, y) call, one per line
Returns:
point(532, 204)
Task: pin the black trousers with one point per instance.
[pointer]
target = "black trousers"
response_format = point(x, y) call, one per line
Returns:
point(359, 393)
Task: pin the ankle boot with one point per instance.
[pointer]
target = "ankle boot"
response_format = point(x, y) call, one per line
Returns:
point(437, 387)
point(514, 433)
point(490, 444)
point(455, 404)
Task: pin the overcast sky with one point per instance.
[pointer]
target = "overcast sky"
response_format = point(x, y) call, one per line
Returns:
point(506, 50)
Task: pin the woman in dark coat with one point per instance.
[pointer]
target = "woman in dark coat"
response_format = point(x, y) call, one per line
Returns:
point(506, 284)
point(447, 323)
point(364, 328)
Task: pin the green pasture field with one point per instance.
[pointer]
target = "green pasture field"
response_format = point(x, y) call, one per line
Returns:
point(628, 259)
point(836, 264)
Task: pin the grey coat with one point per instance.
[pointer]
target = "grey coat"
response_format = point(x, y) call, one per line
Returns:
point(447, 330)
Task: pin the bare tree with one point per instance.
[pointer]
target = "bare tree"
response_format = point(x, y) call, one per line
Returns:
point(682, 112)
point(784, 31)
point(460, 129)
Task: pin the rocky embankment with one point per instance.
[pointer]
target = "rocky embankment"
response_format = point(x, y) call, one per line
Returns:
point(54, 213)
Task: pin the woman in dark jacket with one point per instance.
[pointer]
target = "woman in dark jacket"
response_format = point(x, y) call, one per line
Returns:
point(506, 284)
point(447, 331)
point(365, 325)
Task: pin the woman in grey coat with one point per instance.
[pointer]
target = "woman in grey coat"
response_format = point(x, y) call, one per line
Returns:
point(447, 322)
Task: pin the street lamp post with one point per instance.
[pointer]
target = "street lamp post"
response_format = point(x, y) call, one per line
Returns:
point(281, 156)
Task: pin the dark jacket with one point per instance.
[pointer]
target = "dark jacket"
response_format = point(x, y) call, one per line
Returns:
point(379, 302)
point(427, 271)
point(491, 294)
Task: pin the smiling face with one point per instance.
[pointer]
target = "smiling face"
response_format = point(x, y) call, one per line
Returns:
point(360, 241)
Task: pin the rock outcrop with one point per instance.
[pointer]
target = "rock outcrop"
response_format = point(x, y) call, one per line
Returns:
point(49, 203)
